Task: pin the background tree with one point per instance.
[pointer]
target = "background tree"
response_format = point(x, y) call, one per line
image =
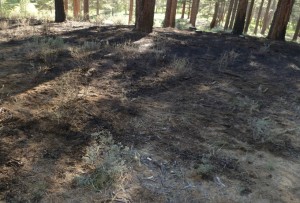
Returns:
point(258, 16)
point(194, 12)
point(144, 15)
point(76, 8)
point(60, 15)
point(266, 18)
point(215, 16)
point(249, 16)
point(66, 5)
point(130, 11)
point(281, 19)
point(183, 9)
point(170, 13)
point(230, 7)
point(297, 31)
point(233, 14)
point(240, 17)
point(86, 9)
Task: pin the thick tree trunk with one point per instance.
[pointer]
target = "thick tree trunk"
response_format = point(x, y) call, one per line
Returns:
point(86, 9)
point(76, 8)
point(194, 12)
point(240, 17)
point(266, 18)
point(281, 19)
point(214, 20)
point(230, 7)
point(60, 15)
point(144, 15)
point(183, 9)
point(249, 16)
point(297, 31)
point(235, 5)
point(170, 13)
point(258, 16)
point(130, 11)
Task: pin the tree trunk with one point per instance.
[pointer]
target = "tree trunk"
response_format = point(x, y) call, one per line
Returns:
point(170, 13)
point(235, 5)
point(297, 31)
point(240, 17)
point(97, 7)
point(60, 15)
point(189, 9)
point(66, 5)
point(221, 12)
point(194, 12)
point(76, 8)
point(183, 9)
point(249, 16)
point(130, 11)
point(86, 10)
point(281, 19)
point(258, 16)
point(144, 15)
point(214, 20)
point(266, 18)
point(230, 7)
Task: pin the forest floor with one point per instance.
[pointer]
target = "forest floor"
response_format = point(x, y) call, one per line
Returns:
point(107, 114)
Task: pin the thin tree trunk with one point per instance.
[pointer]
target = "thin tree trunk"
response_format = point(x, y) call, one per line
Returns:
point(66, 4)
point(144, 15)
point(266, 18)
point(281, 19)
point(98, 7)
point(249, 16)
point(173, 13)
point(214, 20)
point(258, 16)
point(235, 5)
point(221, 12)
point(130, 11)
point(297, 31)
point(86, 10)
point(60, 15)
point(230, 7)
point(194, 12)
point(183, 9)
point(76, 8)
point(189, 9)
point(240, 17)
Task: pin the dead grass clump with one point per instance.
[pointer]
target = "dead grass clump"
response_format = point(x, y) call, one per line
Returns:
point(227, 58)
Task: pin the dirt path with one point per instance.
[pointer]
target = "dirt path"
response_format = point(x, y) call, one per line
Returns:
point(100, 114)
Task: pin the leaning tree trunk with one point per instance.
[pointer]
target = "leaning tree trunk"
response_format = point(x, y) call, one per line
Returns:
point(297, 31)
point(216, 12)
point(86, 9)
point(230, 7)
point(249, 16)
point(194, 12)
point(60, 15)
point(130, 11)
point(281, 19)
point(183, 9)
point(266, 18)
point(235, 5)
point(258, 16)
point(240, 17)
point(76, 8)
point(144, 15)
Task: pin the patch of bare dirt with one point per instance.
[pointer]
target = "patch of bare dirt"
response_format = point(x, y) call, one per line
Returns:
point(107, 114)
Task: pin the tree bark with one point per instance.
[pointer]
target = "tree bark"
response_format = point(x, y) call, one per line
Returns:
point(221, 12)
point(66, 5)
point(297, 31)
point(76, 8)
point(60, 15)
point(240, 17)
point(130, 11)
point(249, 16)
point(235, 5)
point(194, 12)
point(258, 16)
point(170, 14)
point(86, 10)
point(230, 7)
point(144, 15)
point(266, 18)
point(183, 9)
point(281, 19)
point(216, 12)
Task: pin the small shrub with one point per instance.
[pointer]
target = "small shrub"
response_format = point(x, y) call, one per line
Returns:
point(261, 129)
